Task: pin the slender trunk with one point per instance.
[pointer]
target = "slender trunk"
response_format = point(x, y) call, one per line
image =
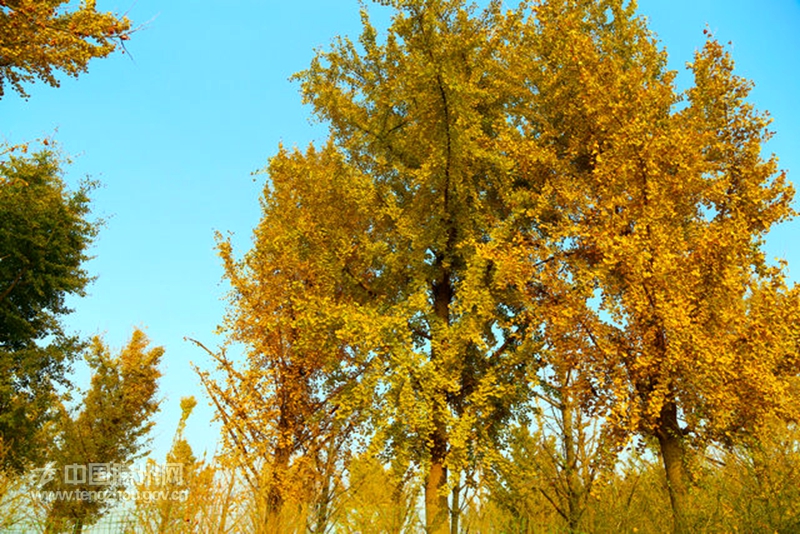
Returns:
point(670, 440)
point(328, 484)
point(277, 481)
point(436, 509)
point(574, 486)
point(321, 523)
point(222, 519)
point(455, 507)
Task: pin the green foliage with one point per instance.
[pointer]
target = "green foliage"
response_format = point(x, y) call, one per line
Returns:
point(44, 238)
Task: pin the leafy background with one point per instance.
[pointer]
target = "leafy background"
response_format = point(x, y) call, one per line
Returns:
point(175, 127)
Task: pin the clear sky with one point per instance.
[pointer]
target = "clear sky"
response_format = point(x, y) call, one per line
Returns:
point(175, 128)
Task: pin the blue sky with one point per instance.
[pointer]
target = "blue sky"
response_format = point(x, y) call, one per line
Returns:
point(175, 129)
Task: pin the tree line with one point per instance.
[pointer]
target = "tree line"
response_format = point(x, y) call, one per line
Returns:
point(521, 287)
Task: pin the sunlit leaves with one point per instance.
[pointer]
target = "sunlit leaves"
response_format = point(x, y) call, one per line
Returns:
point(111, 425)
point(38, 38)
point(513, 205)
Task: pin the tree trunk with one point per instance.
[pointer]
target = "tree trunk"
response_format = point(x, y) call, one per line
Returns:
point(436, 509)
point(435, 497)
point(276, 484)
point(574, 487)
point(455, 507)
point(325, 502)
point(670, 440)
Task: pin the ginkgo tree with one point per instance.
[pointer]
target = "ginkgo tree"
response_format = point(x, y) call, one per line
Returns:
point(420, 112)
point(295, 299)
point(385, 267)
point(109, 429)
point(508, 201)
point(683, 331)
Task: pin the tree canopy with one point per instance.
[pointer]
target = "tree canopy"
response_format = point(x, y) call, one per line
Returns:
point(45, 233)
point(534, 208)
point(110, 428)
point(512, 208)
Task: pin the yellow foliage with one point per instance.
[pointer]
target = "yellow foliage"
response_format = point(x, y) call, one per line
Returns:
point(38, 37)
point(510, 203)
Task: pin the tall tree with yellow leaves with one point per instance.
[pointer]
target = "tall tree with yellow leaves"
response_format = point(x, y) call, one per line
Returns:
point(681, 329)
point(420, 112)
point(292, 309)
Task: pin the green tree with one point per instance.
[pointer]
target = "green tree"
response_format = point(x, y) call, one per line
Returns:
point(110, 428)
point(38, 37)
point(45, 233)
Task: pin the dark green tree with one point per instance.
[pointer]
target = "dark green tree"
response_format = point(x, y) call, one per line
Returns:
point(45, 233)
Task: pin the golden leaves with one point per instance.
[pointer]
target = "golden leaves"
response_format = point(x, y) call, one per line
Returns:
point(40, 37)
point(512, 206)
